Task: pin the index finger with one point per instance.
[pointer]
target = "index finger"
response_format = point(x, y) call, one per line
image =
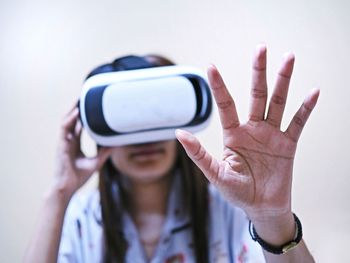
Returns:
point(226, 106)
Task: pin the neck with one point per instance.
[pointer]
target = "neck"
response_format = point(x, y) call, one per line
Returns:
point(147, 204)
point(146, 198)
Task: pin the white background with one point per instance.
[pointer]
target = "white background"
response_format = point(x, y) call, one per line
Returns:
point(47, 48)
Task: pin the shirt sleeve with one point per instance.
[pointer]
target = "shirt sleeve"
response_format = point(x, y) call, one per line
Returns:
point(230, 238)
point(246, 250)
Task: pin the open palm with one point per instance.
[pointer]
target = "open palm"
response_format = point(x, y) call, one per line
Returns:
point(256, 170)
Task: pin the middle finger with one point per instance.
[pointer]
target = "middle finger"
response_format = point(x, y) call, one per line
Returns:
point(259, 86)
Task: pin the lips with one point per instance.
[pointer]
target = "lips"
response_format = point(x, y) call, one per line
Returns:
point(146, 151)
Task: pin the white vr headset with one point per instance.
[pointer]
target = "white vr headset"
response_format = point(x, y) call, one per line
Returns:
point(144, 105)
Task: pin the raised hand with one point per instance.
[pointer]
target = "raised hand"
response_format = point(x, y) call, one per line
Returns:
point(256, 170)
point(73, 168)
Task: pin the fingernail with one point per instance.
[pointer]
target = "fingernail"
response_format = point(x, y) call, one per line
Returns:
point(212, 67)
point(314, 91)
point(261, 48)
point(288, 56)
point(179, 132)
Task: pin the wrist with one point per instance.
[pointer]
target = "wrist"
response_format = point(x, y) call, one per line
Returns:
point(275, 229)
point(280, 248)
point(58, 195)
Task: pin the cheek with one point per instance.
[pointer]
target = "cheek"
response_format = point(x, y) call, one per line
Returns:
point(166, 163)
point(170, 158)
point(119, 159)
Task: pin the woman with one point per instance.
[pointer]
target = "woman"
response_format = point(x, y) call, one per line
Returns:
point(154, 204)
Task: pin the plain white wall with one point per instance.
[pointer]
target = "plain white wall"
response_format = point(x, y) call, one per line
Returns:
point(47, 48)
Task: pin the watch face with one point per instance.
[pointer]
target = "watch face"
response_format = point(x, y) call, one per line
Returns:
point(289, 246)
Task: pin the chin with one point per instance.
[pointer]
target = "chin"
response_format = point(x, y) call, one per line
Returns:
point(149, 174)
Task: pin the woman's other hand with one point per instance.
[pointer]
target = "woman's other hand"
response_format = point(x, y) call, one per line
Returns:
point(73, 168)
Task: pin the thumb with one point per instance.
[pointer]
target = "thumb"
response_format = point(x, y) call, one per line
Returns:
point(102, 156)
point(197, 153)
point(92, 164)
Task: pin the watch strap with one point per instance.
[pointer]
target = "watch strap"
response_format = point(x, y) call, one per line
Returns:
point(284, 248)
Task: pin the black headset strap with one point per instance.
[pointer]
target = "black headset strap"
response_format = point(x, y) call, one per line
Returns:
point(124, 63)
point(130, 63)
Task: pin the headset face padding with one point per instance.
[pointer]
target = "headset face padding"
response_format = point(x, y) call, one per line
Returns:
point(144, 105)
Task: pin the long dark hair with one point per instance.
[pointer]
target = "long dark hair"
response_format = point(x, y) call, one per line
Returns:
point(113, 195)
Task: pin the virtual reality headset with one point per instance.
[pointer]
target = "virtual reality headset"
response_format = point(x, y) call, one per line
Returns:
point(144, 105)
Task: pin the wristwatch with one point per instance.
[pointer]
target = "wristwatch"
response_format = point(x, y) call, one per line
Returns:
point(278, 249)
